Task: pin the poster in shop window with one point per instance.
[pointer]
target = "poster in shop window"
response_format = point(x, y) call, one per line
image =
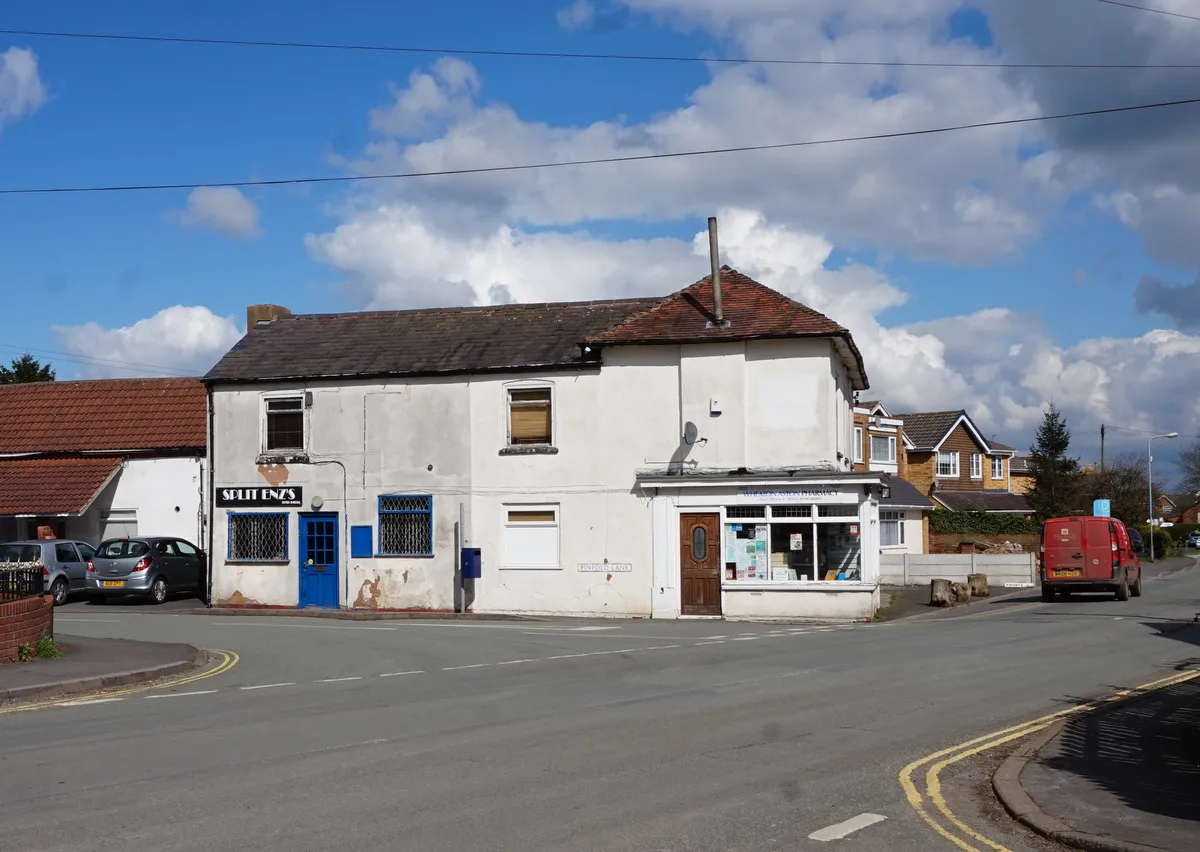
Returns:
point(762, 559)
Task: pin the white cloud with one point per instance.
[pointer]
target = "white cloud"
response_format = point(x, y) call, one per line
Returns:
point(179, 339)
point(21, 89)
point(429, 100)
point(222, 209)
point(579, 15)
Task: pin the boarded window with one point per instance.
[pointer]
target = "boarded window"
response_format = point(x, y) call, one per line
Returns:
point(258, 536)
point(529, 416)
point(285, 424)
point(531, 537)
point(406, 525)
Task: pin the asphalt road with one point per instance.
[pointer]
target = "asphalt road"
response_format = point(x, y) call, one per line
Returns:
point(562, 736)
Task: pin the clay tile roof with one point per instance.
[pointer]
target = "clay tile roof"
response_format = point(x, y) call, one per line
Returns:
point(509, 337)
point(52, 486)
point(439, 340)
point(926, 429)
point(983, 501)
point(752, 310)
point(103, 415)
point(996, 445)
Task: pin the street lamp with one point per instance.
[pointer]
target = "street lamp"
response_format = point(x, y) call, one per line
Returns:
point(1150, 484)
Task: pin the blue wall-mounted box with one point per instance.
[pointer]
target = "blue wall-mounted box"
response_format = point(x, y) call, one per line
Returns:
point(472, 563)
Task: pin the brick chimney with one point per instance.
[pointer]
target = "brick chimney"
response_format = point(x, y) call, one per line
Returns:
point(265, 314)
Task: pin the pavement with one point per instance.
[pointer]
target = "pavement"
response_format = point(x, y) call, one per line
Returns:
point(89, 664)
point(1125, 778)
point(564, 736)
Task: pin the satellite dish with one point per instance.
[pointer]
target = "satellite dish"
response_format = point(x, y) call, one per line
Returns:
point(690, 433)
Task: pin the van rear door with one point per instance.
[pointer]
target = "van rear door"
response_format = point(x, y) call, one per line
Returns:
point(1099, 547)
point(1064, 549)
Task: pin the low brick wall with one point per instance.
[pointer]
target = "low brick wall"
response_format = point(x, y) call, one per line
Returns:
point(25, 620)
point(949, 542)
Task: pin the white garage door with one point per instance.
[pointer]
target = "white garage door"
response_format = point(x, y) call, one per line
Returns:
point(119, 523)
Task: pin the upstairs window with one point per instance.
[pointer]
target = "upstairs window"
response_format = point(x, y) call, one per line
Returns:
point(529, 417)
point(997, 467)
point(947, 464)
point(976, 466)
point(858, 444)
point(883, 448)
point(284, 428)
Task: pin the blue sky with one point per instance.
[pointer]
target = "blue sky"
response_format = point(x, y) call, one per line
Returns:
point(1038, 225)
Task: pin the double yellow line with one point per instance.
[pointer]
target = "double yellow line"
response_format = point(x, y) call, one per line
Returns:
point(931, 805)
point(228, 660)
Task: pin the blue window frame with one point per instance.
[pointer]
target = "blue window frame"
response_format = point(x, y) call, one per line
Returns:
point(406, 525)
point(257, 537)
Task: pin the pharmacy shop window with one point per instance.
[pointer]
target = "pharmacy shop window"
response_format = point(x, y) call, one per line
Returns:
point(792, 543)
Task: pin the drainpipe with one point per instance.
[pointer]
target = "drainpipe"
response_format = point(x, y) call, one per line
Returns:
point(714, 257)
point(210, 499)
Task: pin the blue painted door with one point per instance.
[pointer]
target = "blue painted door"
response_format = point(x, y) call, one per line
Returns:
point(319, 561)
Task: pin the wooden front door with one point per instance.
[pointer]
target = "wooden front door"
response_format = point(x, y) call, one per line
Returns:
point(700, 564)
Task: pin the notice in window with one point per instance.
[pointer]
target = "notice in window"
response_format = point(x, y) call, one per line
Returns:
point(796, 541)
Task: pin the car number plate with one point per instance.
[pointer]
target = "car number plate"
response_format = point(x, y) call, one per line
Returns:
point(1068, 573)
point(114, 584)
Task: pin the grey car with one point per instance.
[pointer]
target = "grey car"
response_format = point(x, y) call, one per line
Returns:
point(64, 563)
point(154, 567)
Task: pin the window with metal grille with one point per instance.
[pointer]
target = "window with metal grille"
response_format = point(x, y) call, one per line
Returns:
point(529, 416)
point(285, 424)
point(406, 525)
point(746, 512)
point(258, 536)
point(837, 511)
point(791, 511)
point(891, 529)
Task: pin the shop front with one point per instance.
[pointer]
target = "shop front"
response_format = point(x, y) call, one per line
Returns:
point(766, 549)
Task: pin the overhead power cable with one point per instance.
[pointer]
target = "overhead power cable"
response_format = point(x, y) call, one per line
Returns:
point(535, 54)
point(1149, 9)
point(96, 361)
point(667, 155)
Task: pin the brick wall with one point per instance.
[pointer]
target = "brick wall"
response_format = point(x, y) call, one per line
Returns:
point(949, 542)
point(24, 621)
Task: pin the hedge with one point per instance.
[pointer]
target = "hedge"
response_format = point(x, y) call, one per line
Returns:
point(981, 523)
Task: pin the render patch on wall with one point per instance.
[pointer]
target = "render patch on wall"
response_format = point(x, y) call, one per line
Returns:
point(788, 403)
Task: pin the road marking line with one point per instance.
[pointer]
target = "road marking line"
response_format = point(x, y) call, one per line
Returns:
point(566, 656)
point(660, 647)
point(515, 662)
point(744, 639)
point(338, 679)
point(714, 642)
point(401, 674)
point(460, 668)
point(229, 660)
point(181, 694)
point(266, 686)
point(843, 829)
point(89, 620)
point(86, 701)
point(718, 636)
point(242, 622)
point(983, 743)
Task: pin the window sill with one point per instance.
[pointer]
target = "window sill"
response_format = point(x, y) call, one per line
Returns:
point(398, 556)
point(284, 561)
point(529, 450)
point(283, 457)
point(796, 585)
point(531, 567)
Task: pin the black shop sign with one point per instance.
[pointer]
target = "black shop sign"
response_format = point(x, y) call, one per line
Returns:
point(260, 498)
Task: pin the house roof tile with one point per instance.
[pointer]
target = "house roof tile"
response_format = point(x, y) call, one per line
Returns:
point(903, 494)
point(996, 445)
point(510, 337)
point(55, 486)
point(983, 501)
point(1019, 464)
point(926, 429)
point(103, 415)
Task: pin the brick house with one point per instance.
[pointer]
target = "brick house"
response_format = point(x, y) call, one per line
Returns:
point(1020, 475)
point(1180, 508)
point(950, 461)
point(98, 459)
point(879, 445)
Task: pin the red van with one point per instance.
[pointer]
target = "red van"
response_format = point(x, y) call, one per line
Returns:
point(1088, 554)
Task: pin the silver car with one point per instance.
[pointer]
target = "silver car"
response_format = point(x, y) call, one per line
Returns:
point(64, 563)
point(155, 567)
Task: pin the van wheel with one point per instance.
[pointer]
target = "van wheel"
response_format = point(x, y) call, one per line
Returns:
point(1136, 588)
point(1123, 588)
point(1047, 593)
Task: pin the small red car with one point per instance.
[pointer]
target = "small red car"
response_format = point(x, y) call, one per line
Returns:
point(1088, 554)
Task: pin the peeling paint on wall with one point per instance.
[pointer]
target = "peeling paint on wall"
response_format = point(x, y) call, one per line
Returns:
point(368, 595)
point(275, 474)
point(238, 599)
